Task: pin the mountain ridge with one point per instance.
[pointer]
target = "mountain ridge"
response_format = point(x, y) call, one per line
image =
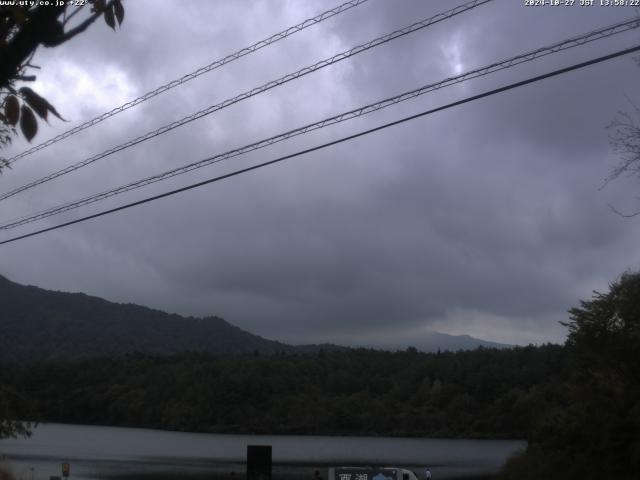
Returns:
point(42, 325)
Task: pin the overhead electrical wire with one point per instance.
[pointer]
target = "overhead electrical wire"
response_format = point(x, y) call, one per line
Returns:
point(572, 42)
point(195, 74)
point(335, 142)
point(257, 90)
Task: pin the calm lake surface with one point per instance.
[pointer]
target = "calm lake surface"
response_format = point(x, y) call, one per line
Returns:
point(111, 452)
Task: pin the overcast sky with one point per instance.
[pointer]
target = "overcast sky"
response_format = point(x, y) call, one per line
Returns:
point(486, 219)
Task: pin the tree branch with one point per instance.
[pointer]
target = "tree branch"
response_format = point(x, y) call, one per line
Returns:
point(81, 27)
point(23, 44)
point(66, 20)
point(624, 215)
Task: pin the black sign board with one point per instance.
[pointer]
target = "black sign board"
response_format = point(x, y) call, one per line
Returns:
point(258, 462)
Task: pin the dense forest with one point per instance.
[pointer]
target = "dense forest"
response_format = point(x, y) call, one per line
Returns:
point(481, 393)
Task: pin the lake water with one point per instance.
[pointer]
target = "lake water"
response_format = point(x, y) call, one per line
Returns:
point(127, 453)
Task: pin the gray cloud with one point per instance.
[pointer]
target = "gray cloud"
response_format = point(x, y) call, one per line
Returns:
point(484, 219)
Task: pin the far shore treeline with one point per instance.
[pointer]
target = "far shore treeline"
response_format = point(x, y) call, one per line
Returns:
point(486, 393)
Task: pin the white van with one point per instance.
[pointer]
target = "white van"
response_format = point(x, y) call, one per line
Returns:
point(371, 473)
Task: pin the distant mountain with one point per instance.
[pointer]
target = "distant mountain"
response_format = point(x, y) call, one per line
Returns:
point(432, 341)
point(41, 325)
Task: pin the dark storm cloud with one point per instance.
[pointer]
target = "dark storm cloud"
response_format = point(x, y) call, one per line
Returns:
point(484, 219)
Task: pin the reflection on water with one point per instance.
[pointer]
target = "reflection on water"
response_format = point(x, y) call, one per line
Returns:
point(109, 452)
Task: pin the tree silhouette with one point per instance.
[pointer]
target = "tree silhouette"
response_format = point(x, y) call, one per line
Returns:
point(594, 430)
point(625, 141)
point(23, 28)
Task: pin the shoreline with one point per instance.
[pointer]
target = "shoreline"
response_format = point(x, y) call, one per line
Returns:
point(495, 438)
point(211, 470)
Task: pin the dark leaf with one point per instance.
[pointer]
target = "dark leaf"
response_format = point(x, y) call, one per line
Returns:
point(28, 123)
point(35, 101)
point(109, 18)
point(39, 104)
point(119, 11)
point(12, 109)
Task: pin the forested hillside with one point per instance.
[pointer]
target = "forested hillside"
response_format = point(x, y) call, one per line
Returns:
point(41, 325)
point(481, 393)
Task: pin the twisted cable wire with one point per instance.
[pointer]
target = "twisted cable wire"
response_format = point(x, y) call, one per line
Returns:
point(190, 76)
point(255, 91)
point(358, 112)
point(340, 140)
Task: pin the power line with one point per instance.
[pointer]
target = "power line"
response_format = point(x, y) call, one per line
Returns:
point(335, 142)
point(604, 32)
point(190, 76)
point(255, 91)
